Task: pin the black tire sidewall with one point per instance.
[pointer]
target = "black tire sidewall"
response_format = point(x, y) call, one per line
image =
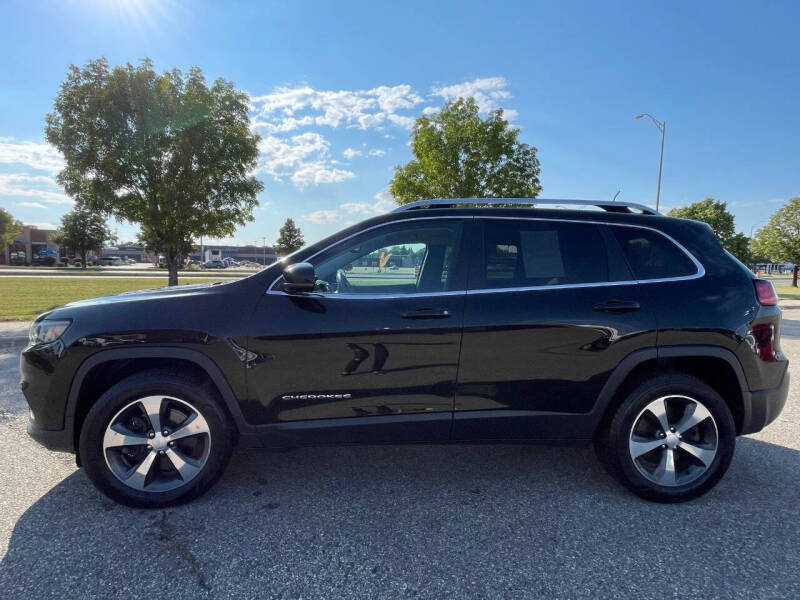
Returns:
point(138, 386)
point(665, 385)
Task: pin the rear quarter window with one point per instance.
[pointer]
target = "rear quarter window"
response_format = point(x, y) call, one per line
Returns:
point(651, 255)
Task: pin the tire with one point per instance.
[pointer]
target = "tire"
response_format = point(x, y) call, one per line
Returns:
point(680, 466)
point(150, 469)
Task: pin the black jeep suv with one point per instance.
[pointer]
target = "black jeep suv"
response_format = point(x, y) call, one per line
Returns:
point(444, 321)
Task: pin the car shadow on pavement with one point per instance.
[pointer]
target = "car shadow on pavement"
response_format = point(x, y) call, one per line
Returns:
point(418, 521)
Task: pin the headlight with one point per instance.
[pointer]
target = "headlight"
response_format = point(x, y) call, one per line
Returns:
point(44, 332)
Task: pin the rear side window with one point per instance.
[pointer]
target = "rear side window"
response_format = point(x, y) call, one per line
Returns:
point(539, 253)
point(650, 255)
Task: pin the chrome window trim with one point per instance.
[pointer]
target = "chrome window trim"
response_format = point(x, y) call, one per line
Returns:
point(698, 265)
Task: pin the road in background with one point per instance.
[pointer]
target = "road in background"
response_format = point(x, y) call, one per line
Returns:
point(137, 270)
point(405, 522)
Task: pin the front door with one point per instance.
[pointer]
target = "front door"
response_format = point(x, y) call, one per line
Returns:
point(372, 354)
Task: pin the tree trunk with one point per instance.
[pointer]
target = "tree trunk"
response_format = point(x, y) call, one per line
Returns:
point(794, 275)
point(83, 259)
point(172, 267)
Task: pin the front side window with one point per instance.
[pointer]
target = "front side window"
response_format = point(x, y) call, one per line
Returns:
point(650, 255)
point(406, 258)
point(541, 253)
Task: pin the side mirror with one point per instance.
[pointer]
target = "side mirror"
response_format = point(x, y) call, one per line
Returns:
point(299, 278)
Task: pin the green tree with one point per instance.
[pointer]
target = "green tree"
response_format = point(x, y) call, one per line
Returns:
point(740, 246)
point(457, 154)
point(779, 239)
point(83, 229)
point(9, 229)
point(167, 151)
point(290, 238)
point(721, 220)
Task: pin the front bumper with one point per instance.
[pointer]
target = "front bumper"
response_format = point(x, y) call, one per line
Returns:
point(59, 440)
point(765, 406)
point(45, 376)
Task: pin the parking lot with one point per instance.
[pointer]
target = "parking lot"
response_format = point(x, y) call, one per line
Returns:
point(405, 522)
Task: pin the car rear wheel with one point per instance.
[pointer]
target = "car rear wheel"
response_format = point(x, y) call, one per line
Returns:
point(155, 439)
point(671, 439)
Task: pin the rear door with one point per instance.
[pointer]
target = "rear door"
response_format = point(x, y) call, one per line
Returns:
point(551, 310)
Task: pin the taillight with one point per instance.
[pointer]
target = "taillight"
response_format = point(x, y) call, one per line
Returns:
point(765, 292)
point(764, 338)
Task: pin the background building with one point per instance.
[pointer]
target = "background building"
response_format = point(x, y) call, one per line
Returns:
point(27, 244)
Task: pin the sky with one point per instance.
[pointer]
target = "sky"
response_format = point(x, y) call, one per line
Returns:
point(335, 87)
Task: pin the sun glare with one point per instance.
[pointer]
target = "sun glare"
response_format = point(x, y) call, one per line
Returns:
point(147, 16)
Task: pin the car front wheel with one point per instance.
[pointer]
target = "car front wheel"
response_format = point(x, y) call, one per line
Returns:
point(671, 439)
point(155, 439)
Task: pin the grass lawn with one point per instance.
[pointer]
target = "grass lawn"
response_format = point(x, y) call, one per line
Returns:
point(23, 298)
point(787, 292)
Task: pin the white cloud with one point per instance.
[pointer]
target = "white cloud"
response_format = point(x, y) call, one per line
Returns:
point(287, 124)
point(323, 217)
point(394, 98)
point(318, 172)
point(351, 153)
point(303, 158)
point(489, 92)
point(281, 109)
point(402, 121)
point(383, 204)
point(343, 216)
point(31, 204)
point(39, 156)
point(40, 187)
point(40, 225)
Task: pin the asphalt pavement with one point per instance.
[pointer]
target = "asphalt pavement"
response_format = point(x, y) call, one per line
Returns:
point(404, 522)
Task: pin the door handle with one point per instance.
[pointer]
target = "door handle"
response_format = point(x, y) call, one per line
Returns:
point(617, 306)
point(428, 313)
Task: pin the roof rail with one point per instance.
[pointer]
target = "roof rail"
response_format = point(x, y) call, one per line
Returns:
point(609, 206)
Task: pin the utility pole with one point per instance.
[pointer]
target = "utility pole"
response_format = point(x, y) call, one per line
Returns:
point(662, 127)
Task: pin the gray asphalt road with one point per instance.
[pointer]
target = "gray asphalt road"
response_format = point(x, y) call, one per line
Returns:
point(404, 522)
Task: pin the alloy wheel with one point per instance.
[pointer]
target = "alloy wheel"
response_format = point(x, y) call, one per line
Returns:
point(673, 440)
point(156, 443)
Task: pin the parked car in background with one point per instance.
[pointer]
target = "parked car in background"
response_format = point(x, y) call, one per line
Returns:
point(110, 261)
point(214, 264)
point(625, 329)
point(45, 258)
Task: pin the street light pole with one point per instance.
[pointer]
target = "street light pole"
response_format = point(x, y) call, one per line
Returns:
point(662, 127)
